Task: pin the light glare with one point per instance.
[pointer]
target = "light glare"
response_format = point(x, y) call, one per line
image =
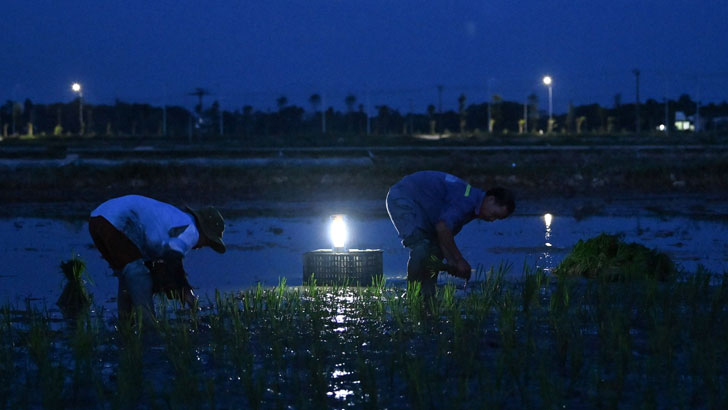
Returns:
point(547, 80)
point(76, 87)
point(338, 232)
point(547, 218)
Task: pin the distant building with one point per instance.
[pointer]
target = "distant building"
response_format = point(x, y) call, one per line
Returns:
point(683, 122)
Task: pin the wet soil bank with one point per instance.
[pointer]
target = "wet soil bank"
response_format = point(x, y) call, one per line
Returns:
point(581, 179)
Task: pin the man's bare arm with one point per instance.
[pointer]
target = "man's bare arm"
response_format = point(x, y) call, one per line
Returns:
point(454, 258)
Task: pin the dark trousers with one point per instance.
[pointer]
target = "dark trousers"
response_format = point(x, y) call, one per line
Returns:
point(141, 279)
point(114, 246)
point(135, 287)
point(425, 258)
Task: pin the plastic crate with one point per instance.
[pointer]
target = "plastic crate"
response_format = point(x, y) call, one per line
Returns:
point(355, 267)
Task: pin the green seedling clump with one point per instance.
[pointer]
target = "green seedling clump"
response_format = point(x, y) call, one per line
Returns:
point(609, 257)
point(74, 297)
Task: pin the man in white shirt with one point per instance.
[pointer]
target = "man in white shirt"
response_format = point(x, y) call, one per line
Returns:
point(145, 240)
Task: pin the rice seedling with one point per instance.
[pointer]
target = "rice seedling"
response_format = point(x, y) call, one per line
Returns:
point(85, 340)
point(243, 359)
point(447, 300)
point(187, 387)
point(7, 357)
point(539, 342)
point(50, 375)
point(130, 371)
point(368, 376)
point(74, 297)
point(609, 257)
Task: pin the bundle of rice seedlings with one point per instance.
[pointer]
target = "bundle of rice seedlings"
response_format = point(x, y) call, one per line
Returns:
point(74, 297)
point(609, 257)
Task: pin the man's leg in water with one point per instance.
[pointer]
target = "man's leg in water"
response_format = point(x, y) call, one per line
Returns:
point(424, 265)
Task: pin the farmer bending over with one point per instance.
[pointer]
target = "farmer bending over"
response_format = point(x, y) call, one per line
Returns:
point(144, 241)
point(428, 208)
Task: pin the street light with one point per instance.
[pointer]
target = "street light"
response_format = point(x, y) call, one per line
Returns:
point(76, 87)
point(547, 81)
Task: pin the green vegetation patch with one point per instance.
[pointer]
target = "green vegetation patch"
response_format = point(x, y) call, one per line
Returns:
point(74, 297)
point(609, 257)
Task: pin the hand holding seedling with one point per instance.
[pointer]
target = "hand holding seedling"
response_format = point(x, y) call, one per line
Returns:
point(457, 269)
point(189, 298)
point(460, 268)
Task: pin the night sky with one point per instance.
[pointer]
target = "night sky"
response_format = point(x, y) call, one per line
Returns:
point(392, 52)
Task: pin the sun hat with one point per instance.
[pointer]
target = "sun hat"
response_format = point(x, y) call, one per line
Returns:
point(211, 224)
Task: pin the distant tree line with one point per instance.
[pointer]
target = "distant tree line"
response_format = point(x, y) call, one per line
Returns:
point(289, 121)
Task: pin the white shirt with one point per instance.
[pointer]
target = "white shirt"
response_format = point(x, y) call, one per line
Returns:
point(153, 226)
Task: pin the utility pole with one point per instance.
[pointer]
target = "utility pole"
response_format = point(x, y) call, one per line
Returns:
point(667, 118)
point(76, 87)
point(164, 112)
point(189, 128)
point(697, 109)
point(697, 116)
point(439, 107)
point(13, 113)
point(323, 113)
point(80, 113)
point(199, 93)
point(164, 119)
point(439, 99)
point(369, 123)
point(410, 117)
point(636, 73)
point(488, 100)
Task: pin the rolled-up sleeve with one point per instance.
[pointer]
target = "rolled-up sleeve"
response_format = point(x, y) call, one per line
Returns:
point(185, 241)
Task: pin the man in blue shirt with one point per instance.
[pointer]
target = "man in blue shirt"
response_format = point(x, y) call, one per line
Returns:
point(428, 208)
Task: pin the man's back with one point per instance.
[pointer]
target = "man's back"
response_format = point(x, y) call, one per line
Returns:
point(152, 225)
point(442, 197)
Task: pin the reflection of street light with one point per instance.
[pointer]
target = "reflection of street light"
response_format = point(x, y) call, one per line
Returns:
point(547, 81)
point(76, 87)
point(546, 257)
point(547, 218)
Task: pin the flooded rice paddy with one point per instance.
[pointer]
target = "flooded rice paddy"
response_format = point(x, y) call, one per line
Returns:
point(517, 338)
point(265, 249)
point(546, 343)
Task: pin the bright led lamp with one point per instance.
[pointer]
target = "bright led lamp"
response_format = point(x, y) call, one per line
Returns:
point(338, 233)
point(341, 265)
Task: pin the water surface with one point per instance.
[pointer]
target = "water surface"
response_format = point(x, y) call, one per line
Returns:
point(265, 249)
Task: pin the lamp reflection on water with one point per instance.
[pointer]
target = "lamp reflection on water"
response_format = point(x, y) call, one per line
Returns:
point(546, 260)
point(342, 380)
point(547, 218)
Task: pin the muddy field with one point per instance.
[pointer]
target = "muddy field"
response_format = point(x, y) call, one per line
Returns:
point(80, 175)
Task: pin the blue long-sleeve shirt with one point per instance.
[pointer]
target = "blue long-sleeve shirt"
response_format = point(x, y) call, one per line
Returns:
point(442, 197)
